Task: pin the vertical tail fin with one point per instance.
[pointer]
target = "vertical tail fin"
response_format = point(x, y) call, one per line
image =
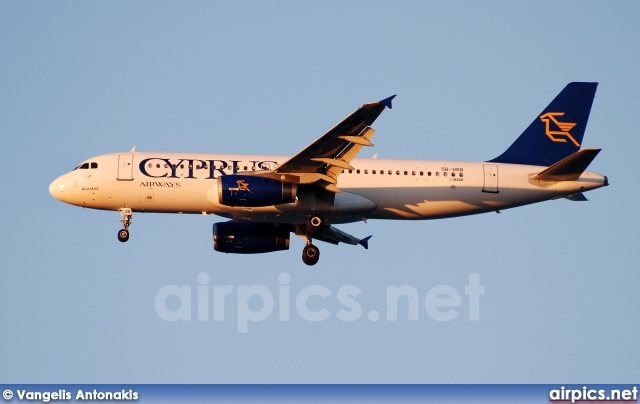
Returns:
point(557, 131)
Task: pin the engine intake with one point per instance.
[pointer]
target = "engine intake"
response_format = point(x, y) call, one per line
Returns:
point(252, 191)
point(249, 238)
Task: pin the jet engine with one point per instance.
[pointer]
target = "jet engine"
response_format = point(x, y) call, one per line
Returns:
point(249, 238)
point(252, 191)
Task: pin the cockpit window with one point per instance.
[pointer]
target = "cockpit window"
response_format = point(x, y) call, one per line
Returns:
point(85, 166)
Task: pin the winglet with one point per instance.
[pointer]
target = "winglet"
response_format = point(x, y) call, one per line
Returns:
point(387, 101)
point(365, 242)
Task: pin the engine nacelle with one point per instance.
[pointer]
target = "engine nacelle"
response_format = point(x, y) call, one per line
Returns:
point(249, 238)
point(252, 191)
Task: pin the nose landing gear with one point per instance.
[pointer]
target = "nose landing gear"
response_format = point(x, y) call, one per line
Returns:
point(123, 235)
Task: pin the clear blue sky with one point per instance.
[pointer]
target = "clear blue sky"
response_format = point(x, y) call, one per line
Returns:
point(78, 79)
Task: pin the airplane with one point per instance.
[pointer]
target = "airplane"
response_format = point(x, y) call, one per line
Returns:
point(267, 198)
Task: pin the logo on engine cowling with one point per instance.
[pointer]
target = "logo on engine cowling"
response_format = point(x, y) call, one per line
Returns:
point(242, 186)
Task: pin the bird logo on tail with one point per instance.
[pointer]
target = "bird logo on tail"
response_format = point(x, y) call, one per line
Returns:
point(564, 127)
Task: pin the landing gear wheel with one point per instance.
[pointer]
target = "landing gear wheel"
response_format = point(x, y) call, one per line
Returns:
point(126, 213)
point(310, 254)
point(123, 235)
point(315, 223)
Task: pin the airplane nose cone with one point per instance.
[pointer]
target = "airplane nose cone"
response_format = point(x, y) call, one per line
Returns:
point(57, 188)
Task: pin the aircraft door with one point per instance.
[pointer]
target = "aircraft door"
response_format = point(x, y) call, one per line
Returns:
point(125, 167)
point(490, 178)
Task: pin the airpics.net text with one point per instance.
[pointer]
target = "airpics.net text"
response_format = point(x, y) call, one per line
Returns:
point(256, 303)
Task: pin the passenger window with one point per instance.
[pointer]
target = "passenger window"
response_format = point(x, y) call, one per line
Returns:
point(445, 174)
point(437, 173)
point(405, 173)
point(398, 172)
point(245, 168)
point(373, 172)
point(381, 171)
point(421, 173)
point(357, 171)
point(94, 165)
point(413, 173)
point(453, 174)
point(460, 174)
point(367, 172)
point(428, 173)
point(350, 171)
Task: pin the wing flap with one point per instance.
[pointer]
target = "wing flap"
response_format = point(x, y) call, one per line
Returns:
point(358, 140)
point(351, 152)
point(334, 162)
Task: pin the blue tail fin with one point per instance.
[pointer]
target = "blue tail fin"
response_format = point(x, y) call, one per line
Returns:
point(557, 131)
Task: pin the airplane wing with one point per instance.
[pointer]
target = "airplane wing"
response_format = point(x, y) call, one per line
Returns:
point(323, 160)
point(334, 235)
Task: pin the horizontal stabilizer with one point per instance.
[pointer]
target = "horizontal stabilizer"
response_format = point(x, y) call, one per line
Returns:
point(579, 197)
point(569, 168)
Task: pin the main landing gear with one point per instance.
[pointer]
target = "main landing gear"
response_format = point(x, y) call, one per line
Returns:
point(123, 235)
point(315, 224)
point(310, 253)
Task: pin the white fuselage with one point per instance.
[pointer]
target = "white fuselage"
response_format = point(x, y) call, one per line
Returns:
point(394, 189)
